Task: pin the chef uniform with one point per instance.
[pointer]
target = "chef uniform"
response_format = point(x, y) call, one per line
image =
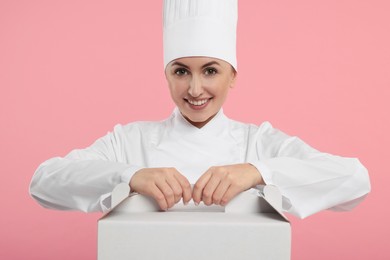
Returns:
point(310, 181)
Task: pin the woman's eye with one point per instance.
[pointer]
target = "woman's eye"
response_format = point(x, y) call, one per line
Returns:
point(180, 72)
point(210, 71)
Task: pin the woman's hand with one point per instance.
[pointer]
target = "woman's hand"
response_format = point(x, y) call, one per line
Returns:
point(219, 184)
point(166, 185)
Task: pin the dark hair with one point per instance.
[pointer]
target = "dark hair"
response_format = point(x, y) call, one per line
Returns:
point(233, 69)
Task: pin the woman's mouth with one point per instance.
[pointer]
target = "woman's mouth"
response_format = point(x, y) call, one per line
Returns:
point(198, 104)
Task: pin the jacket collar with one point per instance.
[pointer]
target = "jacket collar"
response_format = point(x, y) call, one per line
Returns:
point(216, 126)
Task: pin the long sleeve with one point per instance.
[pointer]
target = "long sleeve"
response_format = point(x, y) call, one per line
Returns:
point(310, 181)
point(84, 178)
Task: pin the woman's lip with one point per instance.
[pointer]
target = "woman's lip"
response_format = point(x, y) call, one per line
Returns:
point(198, 107)
point(198, 102)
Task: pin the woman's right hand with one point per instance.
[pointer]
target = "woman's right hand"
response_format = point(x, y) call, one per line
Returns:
point(166, 185)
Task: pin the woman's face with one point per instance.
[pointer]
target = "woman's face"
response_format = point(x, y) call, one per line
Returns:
point(199, 86)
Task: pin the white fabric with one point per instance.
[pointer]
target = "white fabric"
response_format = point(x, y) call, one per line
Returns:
point(309, 181)
point(200, 28)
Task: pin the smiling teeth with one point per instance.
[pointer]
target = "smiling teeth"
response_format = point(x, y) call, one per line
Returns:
point(197, 103)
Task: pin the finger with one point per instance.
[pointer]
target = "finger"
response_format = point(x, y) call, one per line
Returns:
point(167, 191)
point(209, 189)
point(176, 187)
point(185, 186)
point(159, 197)
point(198, 187)
point(220, 191)
point(231, 192)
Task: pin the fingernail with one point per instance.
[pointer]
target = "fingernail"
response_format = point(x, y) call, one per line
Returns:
point(196, 203)
point(186, 203)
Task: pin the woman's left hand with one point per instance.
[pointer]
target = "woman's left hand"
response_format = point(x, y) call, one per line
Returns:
point(219, 184)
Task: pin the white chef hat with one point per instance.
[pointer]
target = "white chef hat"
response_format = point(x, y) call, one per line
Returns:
point(200, 28)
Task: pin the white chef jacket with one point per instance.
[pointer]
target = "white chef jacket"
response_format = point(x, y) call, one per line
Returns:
point(310, 181)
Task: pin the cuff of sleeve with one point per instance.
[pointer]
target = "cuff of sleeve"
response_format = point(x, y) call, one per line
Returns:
point(105, 202)
point(265, 172)
point(128, 173)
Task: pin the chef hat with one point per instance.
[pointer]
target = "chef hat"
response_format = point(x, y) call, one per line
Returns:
point(200, 28)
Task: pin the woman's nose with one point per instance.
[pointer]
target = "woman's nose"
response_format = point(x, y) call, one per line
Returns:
point(195, 88)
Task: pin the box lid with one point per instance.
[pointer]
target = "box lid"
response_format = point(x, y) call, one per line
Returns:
point(267, 199)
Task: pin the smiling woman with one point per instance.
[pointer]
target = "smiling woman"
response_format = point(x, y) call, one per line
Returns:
point(199, 86)
point(198, 144)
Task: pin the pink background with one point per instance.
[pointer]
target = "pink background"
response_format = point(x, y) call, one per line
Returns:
point(71, 70)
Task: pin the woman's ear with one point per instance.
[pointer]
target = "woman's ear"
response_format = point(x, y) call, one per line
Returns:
point(234, 78)
point(165, 72)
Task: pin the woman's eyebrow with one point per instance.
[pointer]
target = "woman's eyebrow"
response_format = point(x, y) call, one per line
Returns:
point(180, 64)
point(210, 63)
point(176, 63)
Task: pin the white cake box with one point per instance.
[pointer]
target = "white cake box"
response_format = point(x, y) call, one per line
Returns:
point(251, 227)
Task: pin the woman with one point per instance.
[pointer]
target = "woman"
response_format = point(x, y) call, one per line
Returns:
point(198, 144)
